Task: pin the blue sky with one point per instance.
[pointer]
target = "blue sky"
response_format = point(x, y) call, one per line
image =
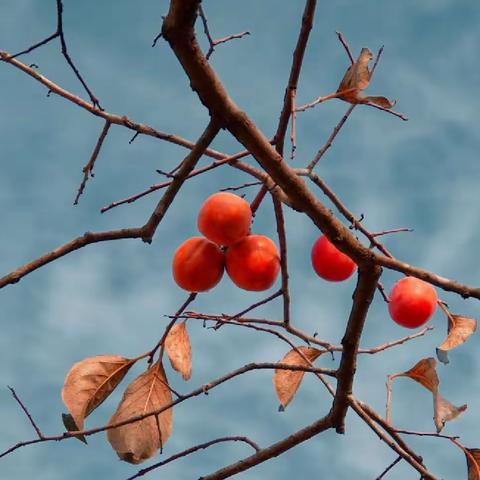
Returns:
point(111, 298)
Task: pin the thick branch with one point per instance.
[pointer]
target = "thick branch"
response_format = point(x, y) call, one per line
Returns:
point(178, 31)
point(272, 451)
point(362, 298)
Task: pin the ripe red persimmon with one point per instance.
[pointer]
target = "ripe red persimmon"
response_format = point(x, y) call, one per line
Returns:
point(412, 302)
point(224, 218)
point(198, 264)
point(330, 263)
point(253, 263)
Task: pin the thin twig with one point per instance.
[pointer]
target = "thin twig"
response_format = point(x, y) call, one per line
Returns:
point(88, 168)
point(282, 240)
point(388, 110)
point(27, 413)
point(122, 120)
point(194, 173)
point(398, 459)
point(161, 342)
point(330, 140)
point(293, 130)
point(346, 47)
point(393, 230)
point(240, 187)
point(213, 43)
point(319, 100)
point(69, 60)
point(194, 449)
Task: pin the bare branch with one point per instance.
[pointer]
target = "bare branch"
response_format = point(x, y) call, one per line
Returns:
point(27, 413)
point(398, 459)
point(213, 43)
point(88, 168)
point(282, 240)
point(346, 47)
point(122, 120)
point(330, 140)
point(272, 451)
point(217, 163)
point(362, 298)
point(194, 449)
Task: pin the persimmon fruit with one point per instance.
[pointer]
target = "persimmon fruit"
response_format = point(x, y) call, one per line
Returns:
point(253, 263)
point(224, 218)
point(198, 264)
point(412, 302)
point(330, 263)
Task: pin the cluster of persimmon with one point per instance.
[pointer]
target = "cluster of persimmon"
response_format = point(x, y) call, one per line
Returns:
point(411, 302)
point(251, 261)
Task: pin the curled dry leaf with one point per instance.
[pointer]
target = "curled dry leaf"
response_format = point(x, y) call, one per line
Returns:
point(177, 345)
point(90, 381)
point(473, 463)
point(459, 329)
point(424, 373)
point(136, 442)
point(286, 382)
point(444, 411)
point(357, 78)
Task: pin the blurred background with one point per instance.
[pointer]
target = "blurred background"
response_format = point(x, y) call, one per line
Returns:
point(112, 297)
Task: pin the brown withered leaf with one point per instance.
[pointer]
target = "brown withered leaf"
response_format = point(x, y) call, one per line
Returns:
point(473, 463)
point(444, 411)
point(90, 381)
point(138, 441)
point(424, 373)
point(357, 78)
point(459, 329)
point(177, 345)
point(286, 382)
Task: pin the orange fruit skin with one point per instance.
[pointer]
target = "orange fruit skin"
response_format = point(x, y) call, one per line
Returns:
point(253, 263)
point(330, 263)
point(224, 218)
point(198, 264)
point(412, 302)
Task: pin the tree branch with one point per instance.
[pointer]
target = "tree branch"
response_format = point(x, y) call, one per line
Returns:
point(122, 120)
point(88, 168)
point(362, 298)
point(191, 450)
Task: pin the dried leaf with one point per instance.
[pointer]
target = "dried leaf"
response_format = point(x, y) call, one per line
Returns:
point(177, 345)
point(380, 101)
point(459, 329)
point(138, 441)
point(90, 381)
point(424, 373)
point(473, 463)
point(357, 78)
point(71, 426)
point(286, 382)
point(444, 411)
